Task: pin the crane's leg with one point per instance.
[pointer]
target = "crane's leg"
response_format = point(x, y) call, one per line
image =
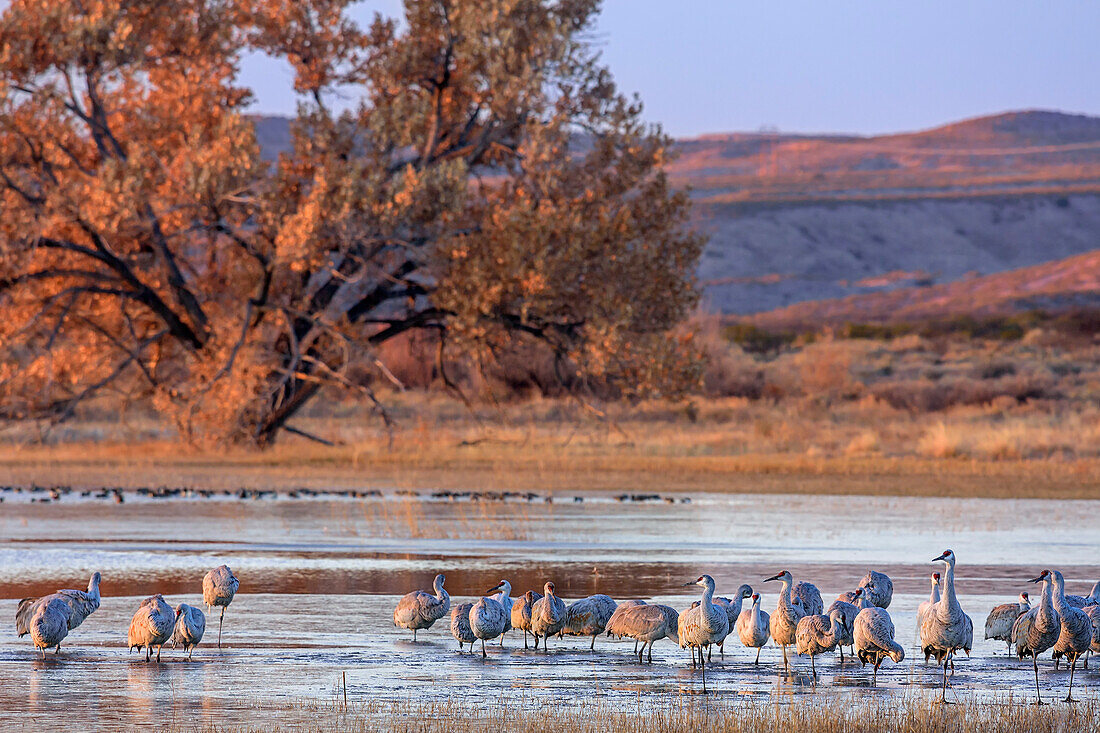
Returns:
point(159, 647)
point(525, 638)
point(1072, 668)
point(483, 654)
point(785, 665)
point(649, 657)
point(640, 651)
point(222, 618)
point(703, 669)
point(536, 640)
point(148, 652)
point(722, 648)
point(593, 647)
point(502, 641)
point(874, 675)
point(220, 634)
point(758, 655)
point(190, 652)
point(1056, 660)
point(57, 650)
point(1035, 664)
point(943, 696)
point(710, 651)
point(635, 646)
point(813, 669)
point(841, 648)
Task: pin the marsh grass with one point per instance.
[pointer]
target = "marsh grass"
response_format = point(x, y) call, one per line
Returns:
point(843, 714)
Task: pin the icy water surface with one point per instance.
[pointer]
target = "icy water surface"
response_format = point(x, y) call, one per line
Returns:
point(320, 576)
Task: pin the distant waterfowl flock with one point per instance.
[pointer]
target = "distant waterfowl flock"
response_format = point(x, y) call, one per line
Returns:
point(1067, 625)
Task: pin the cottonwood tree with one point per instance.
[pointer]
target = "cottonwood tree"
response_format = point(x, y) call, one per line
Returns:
point(481, 178)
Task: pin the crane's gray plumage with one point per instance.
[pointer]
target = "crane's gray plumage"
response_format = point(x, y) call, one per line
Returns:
point(82, 604)
point(151, 626)
point(647, 624)
point(521, 613)
point(848, 611)
point(1037, 630)
point(784, 622)
point(505, 600)
point(873, 634)
point(613, 627)
point(946, 629)
point(732, 606)
point(752, 627)
point(816, 634)
point(1075, 634)
point(703, 625)
point(460, 625)
point(1093, 612)
point(189, 628)
point(878, 588)
point(1092, 599)
point(50, 624)
point(589, 616)
point(419, 609)
point(219, 586)
point(547, 616)
point(999, 622)
point(810, 597)
point(488, 618)
point(925, 607)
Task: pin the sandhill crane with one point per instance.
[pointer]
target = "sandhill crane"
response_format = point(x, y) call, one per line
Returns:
point(420, 609)
point(878, 588)
point(703, 625)
point(999, 622)
point(218, 588)
point(752, 627)
point(810, 597)
point(784, 622)
point(488, 617)
point(82, 604)
point(732, 607)
point(874, 639)
point(521, 613)
point(1075, 635)
point(646, 624)
point(189, 628)
point(547, 616)
point(460, 625)
point(1092, 599)
point(925, 607)
point(848, 611)
point(947, 629)
point(507, 603)
point(49, 624)
point(151, 626)
point(817, 634)
point(589, 616)
point(1093, 612)
point(1038, 629)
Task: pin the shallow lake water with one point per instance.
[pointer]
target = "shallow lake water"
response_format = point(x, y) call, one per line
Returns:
point(320, 575)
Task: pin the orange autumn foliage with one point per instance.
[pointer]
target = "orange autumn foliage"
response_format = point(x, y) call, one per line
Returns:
point(489, 185)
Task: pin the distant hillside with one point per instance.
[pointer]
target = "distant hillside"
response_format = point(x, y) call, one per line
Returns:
point(796, 218)
point(1073, 282)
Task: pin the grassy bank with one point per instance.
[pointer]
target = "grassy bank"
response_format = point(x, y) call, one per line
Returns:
point(928, 414)
point(815, 714)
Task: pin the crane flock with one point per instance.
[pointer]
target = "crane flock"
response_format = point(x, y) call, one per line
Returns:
point(1066, 625)
point(1069, 626)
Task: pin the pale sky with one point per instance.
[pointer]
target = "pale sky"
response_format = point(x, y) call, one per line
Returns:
point(861, 66)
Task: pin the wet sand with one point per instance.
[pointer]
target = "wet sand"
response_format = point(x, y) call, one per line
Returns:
point(320, 576)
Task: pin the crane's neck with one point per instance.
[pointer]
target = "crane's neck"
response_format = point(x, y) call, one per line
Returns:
point(1025, 601)
point(93, 587)
point(1058, 595)
point(785, 595)
point(708, 594)
point(1046, 605)
point(756, 612)
point(838, 626)
point(935, 596)
point(1094, 594)
point(949, 585)
point(505, 591)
